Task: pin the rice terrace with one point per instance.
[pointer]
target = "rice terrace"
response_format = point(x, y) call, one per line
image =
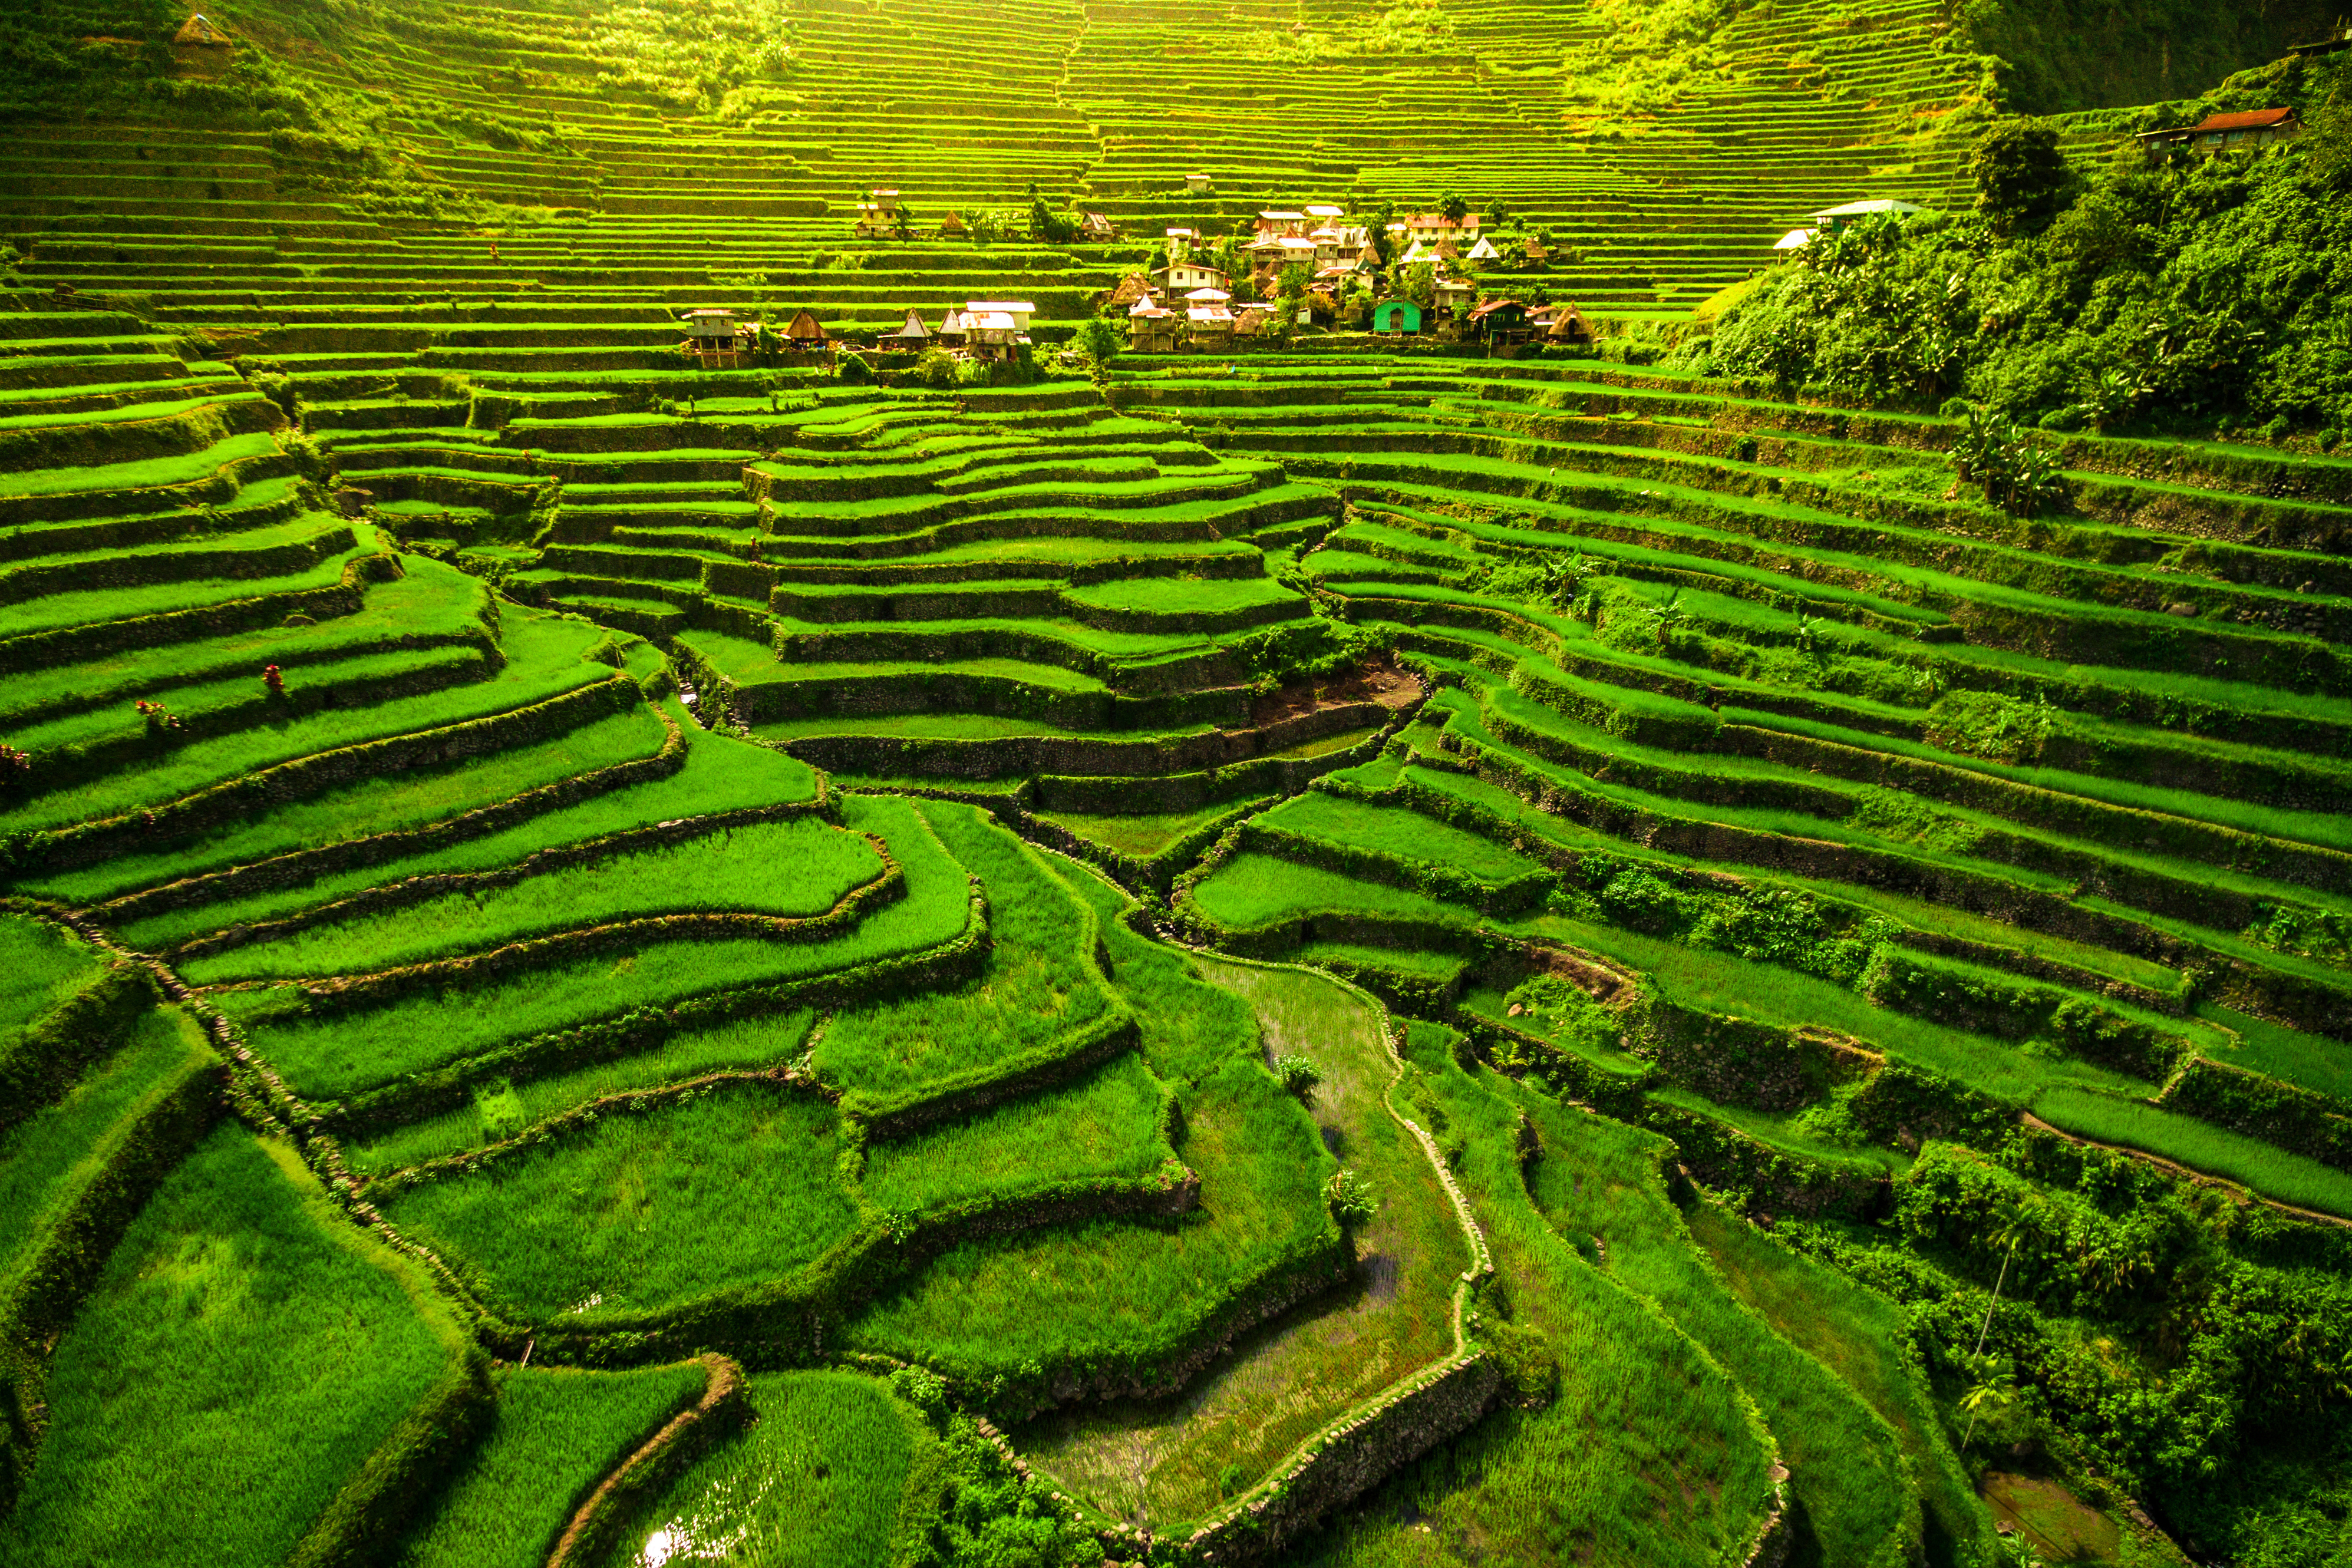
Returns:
point(1357, 783)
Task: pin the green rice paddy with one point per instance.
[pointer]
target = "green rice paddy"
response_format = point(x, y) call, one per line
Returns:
point(1387, 950)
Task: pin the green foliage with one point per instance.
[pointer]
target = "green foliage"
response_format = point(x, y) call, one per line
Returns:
point(2017, 472)
point(1991, 724)
point(809, 866)
point(2182, 292)
point(968, 1508)
point(1352, 1198)
point(819, 1474)
point(641, 1210)
point(1296, 1075)
point(555, 1434)
point(276, 1346)
point(2022, 181)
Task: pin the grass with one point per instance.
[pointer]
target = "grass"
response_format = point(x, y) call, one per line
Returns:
point(1144, 834)
point(814, 1480)
point(1708, 981)
point(557, 1432)
point(2311, 1060)
point(41, 965)
point(332, 1054)
point(504, 1106)
point(543, 654)
point(2134, 1124)
point(1599, 1179)
point(1107, 1124)
point(387, 803)
point(1647, 1451)
point(720, 775)
point(1110, 1292)
point(428, 599)
point(1159, 1463)
point(1039, 984)
point(59, 1153)
point(638, 1211)
point(245, 1341)
point(1396, 830)
point(1861, 1336)
point(795, 869)
point(1255, 890)
point(58, 612)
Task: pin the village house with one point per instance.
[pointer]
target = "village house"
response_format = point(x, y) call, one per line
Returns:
point(1483, 251)
point(804, 332)
point(2240, 132)
point(1274, 222)
point(1152, 328)
point(199, 29)
point(710, 327)
point(1178, 276)
point(1395, 318)
point(1019, 309)
point(1095, 227)
point(1211, 326)
point(1456, 295)
point(1501, 323)
point(1836, 218)
point(992, 334)
point(912, 336)
point(953, 227)
point(1562, 324)
point(1340, 244)
point(1436, 226)
point(879, 212)
point(1196, 184)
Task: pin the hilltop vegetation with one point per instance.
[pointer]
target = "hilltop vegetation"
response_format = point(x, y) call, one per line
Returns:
point(1720, 938)
point(2166, 292)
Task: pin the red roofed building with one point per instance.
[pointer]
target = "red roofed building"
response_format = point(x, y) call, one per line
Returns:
point(2237, 132)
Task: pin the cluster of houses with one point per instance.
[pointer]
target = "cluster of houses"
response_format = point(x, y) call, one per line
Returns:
point(1189, 303)
point(981, 330)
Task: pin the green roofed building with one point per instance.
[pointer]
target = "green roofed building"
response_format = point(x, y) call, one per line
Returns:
point(1396, 315)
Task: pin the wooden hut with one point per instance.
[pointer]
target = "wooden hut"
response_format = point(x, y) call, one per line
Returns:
point(1394, 317)
point(201, 29)
point(804, 332)
point(912, 336)
point(1211, 326)
point(1152, 328)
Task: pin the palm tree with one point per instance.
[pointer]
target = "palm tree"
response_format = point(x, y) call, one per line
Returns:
point(2010, 1223)
point(1994, 1389)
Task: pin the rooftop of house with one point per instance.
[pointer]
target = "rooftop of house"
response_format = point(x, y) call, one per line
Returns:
point(1864, 208)
point(2219, 124)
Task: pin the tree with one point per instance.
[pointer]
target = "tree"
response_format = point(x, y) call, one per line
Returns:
point(2022, 181)
point(1098, 340)
point(1047, 226)
point(1498, 212)
point(1290, 290)
point(1420, 284)
point(1298, 1076)
point(1452, 208)
point(1376, 232)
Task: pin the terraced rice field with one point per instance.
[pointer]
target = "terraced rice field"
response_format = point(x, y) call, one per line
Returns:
point(1364, 955)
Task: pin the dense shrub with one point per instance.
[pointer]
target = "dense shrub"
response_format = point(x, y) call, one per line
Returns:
point(2176, 288)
